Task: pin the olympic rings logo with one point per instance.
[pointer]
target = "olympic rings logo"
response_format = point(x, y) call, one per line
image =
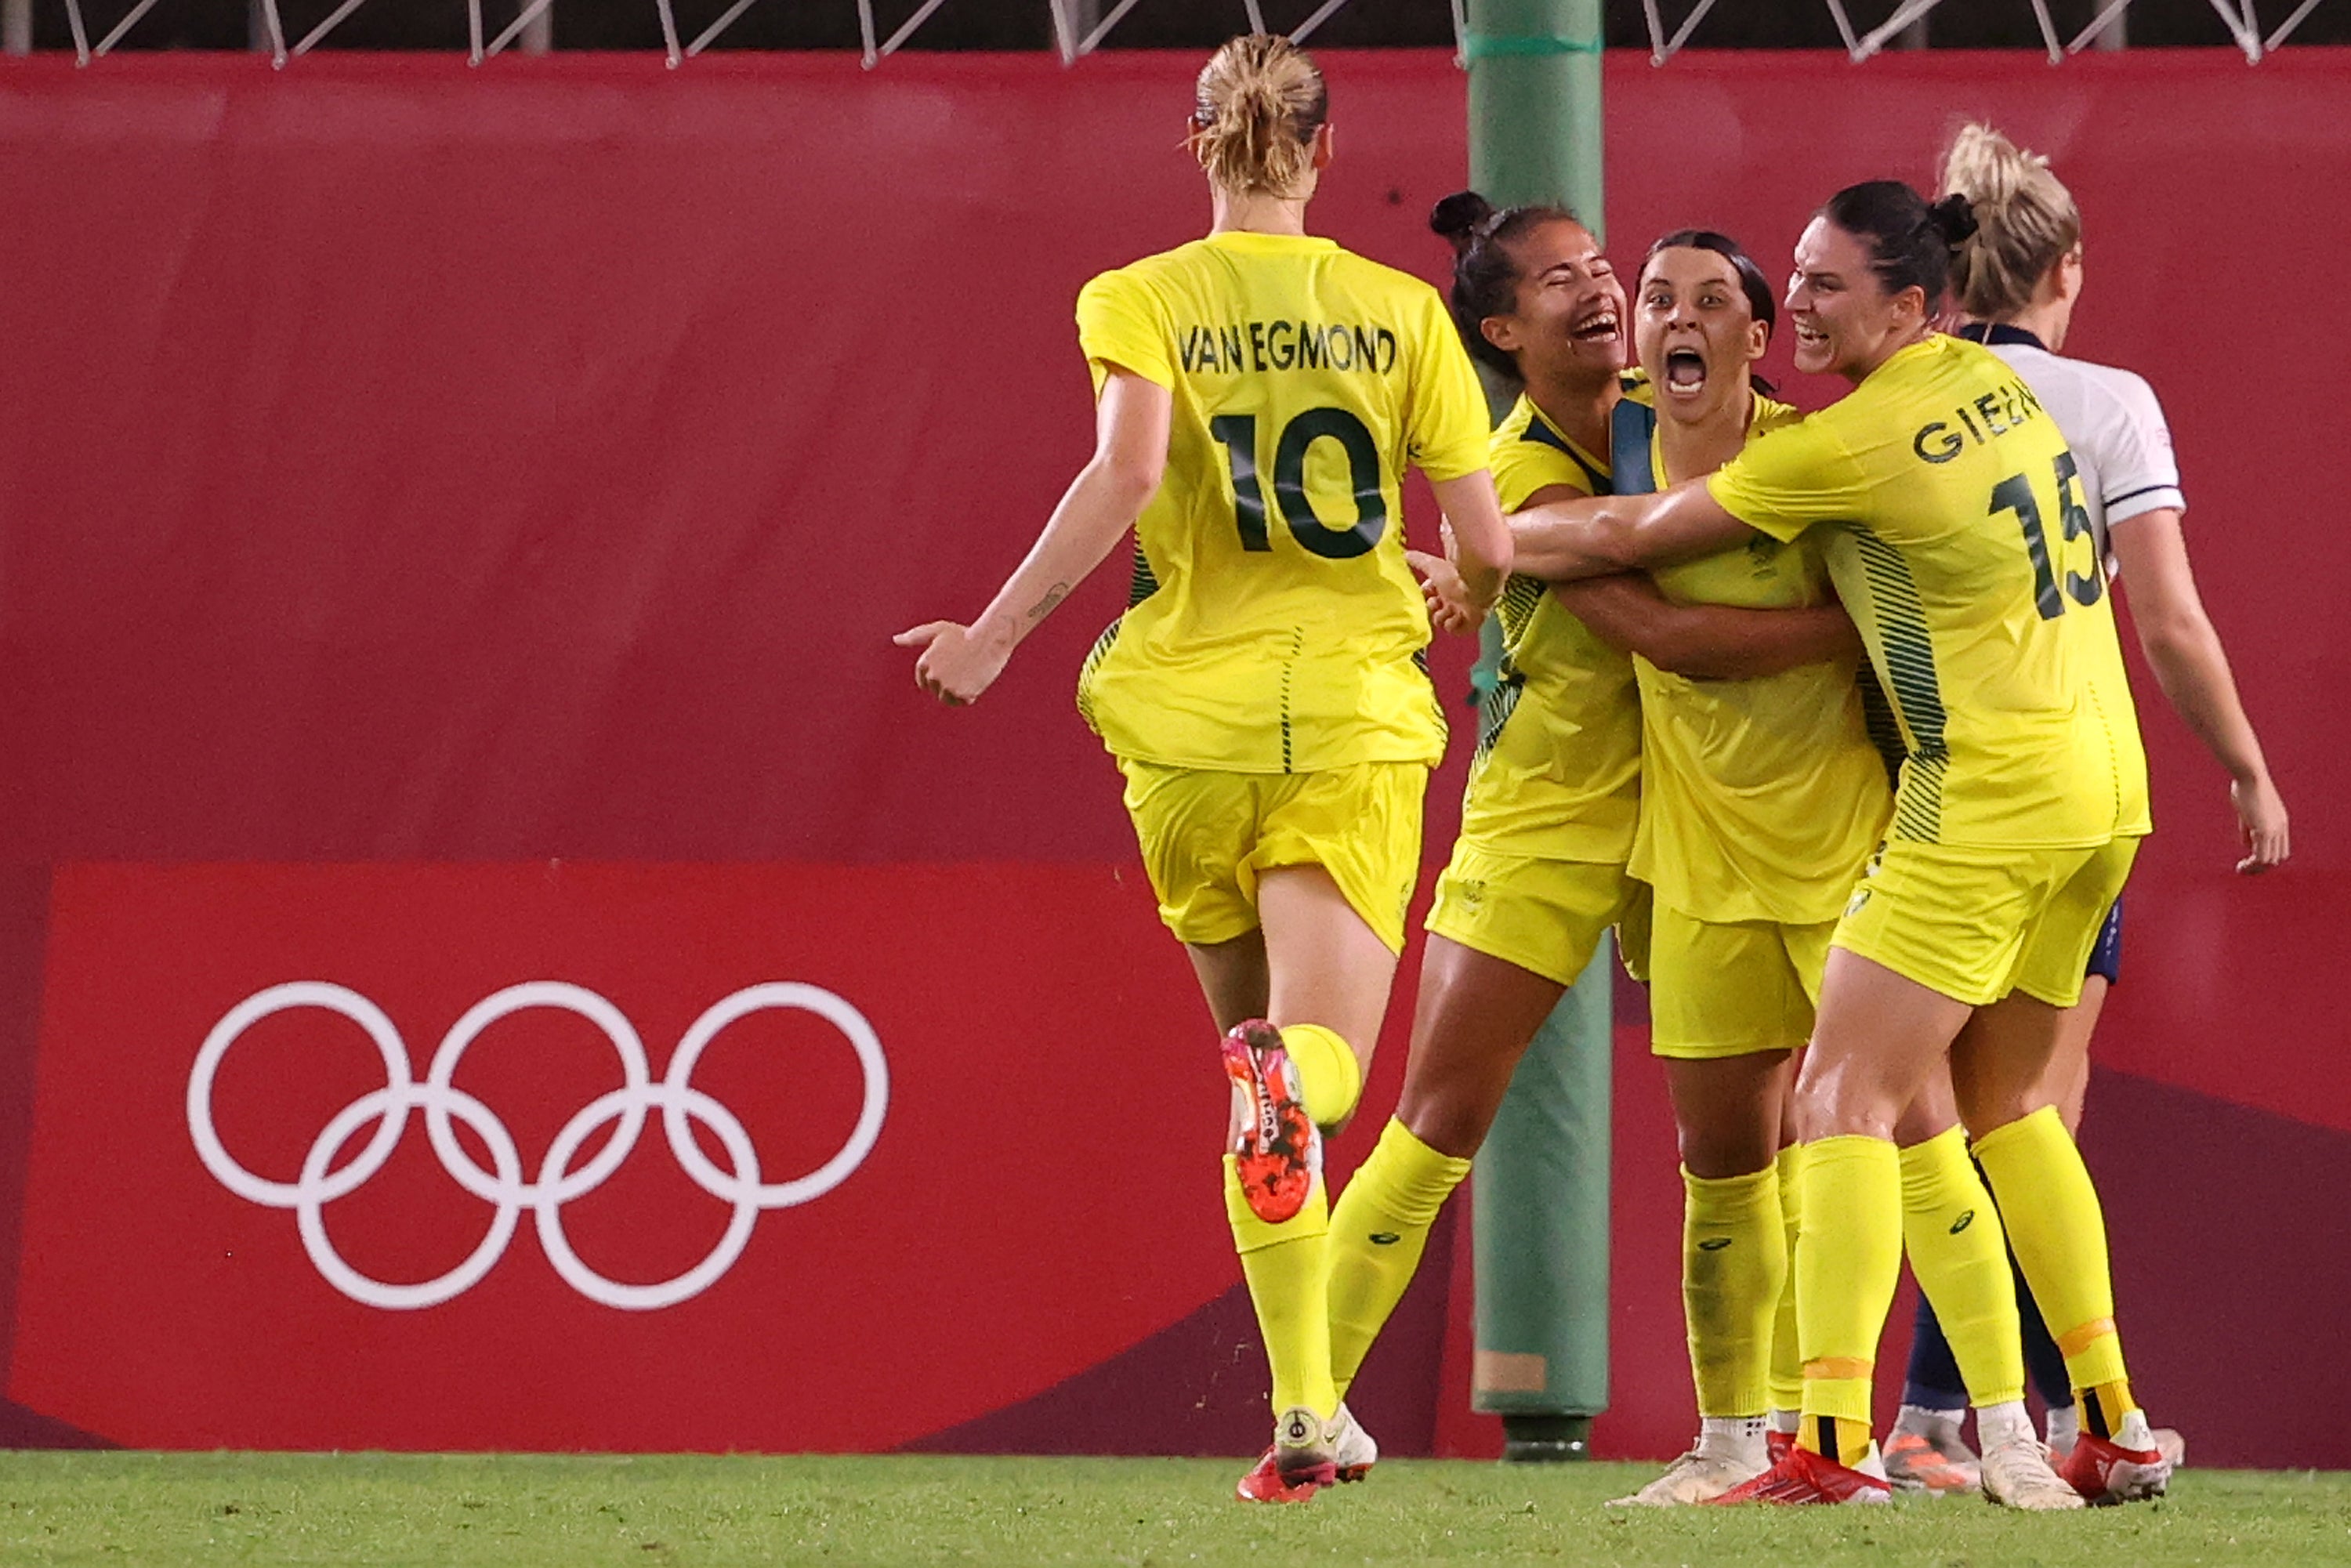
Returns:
point(444, 1105)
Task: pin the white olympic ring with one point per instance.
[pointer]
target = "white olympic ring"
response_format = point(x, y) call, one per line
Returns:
point(503, 1186)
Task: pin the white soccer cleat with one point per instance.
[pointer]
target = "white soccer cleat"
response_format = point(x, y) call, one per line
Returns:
point(2017, 1474)
point(1713, 1467)
point(1352, 1452)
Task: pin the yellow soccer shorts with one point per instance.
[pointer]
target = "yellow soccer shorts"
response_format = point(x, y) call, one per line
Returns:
point(1732, 988)
point(1544, 915)
point(1206, 837)
point(1977, 923)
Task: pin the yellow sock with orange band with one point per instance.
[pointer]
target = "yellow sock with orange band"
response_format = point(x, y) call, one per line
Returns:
point(1848, 1261)
point(2059, 1233)
point(1288, 1270)
point(1329, 1075)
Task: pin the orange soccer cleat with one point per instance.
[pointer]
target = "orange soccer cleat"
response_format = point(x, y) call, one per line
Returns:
point(1301, 1462)
point(1277, 1153)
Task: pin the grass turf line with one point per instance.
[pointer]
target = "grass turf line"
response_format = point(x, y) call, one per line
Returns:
point(521, 1512)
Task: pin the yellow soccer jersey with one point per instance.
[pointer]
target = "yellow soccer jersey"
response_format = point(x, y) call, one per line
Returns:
point(1558, 770)
point(1759, 798)
point(1957, 537)
point(1275, 627)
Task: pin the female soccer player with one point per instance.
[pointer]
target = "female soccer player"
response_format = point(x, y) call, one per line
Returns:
point(1538, 872)
point(1260, 394)
point(1953, 502)
point(1760, 800)
point(2018, 280)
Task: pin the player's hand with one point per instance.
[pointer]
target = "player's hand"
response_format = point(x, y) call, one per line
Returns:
point(1450, 606)
point(2261, 813)
point(955, 666)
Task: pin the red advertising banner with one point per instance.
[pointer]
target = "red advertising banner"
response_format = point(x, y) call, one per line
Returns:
point(546, 1156)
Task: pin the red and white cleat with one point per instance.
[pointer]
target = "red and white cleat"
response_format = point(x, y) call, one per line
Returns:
point(1778, 1445)
point(1300, 1463)
point(2129, 1466)
point(1278, 1152)
point(1801, 1476)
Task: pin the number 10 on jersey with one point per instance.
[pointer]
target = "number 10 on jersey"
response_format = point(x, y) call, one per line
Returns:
point(1238, 432)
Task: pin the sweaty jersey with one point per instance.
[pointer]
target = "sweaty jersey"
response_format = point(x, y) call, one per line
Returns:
point(1957, 537)
point(1274, 626)
point(1759, 798)
point(1558, 770)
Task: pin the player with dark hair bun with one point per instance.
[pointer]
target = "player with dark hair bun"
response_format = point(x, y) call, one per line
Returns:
point(1958, 541)
point(1538, 875)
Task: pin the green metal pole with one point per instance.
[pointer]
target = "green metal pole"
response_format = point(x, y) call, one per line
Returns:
point(1541, 1186)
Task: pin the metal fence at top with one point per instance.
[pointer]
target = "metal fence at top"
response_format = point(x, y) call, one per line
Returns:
point(1080, 27)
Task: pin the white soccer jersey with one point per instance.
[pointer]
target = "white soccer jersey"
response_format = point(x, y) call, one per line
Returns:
point(2112, 421)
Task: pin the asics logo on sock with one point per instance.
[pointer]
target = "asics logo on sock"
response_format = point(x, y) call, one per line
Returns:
point(1963, 1221)
point(1713, 1244)
point(1384, 1238)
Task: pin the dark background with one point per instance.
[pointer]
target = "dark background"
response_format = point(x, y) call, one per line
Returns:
point(1153, 24)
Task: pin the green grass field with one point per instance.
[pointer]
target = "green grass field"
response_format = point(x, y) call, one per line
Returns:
point(519, 1513)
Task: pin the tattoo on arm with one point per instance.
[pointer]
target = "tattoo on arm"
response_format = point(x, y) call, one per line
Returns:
point(1044, 607)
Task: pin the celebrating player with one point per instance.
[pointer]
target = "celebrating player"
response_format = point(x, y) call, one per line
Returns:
point(1260, 394)
point(1538, 872)
point(2017, 280)
point(1959, 546)
point(1761, 799)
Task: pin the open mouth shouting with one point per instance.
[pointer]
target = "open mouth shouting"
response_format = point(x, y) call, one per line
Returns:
point(1685, 372)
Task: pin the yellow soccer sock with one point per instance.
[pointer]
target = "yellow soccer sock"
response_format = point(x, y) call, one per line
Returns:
point(1327, 1073)
point(1377, 1233)
point(1734, 1261)
point(1286, 1267)
point(1787, 1363)
point(1960, 1255)
point(2060, 1237)
point(1848, 1259)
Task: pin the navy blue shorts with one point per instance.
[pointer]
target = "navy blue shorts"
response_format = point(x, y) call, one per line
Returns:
point(2107, 956)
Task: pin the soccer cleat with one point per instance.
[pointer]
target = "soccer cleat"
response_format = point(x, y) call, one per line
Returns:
point(1803, 1477)
point(2126, 1467)
point(2017, 1474)
point(1352, 1452)
point(1937, 1463)
point(1699, 1475)
point(1778, 1445)
point(1277, 1153)
point(1300, 1463)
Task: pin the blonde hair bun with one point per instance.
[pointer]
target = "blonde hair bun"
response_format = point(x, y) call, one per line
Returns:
point(1258, 104)
point(2026, 221)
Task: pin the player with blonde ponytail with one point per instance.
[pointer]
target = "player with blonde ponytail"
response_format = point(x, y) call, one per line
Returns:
point(1260, 394)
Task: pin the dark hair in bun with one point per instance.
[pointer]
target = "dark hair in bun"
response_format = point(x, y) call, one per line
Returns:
point(1911, 243)
point(1485, 274)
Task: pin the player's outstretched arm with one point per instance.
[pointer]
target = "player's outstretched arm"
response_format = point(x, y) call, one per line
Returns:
point(1707, 642)
point(2191, 666)
point(1593, 535)
point(1131, 423)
